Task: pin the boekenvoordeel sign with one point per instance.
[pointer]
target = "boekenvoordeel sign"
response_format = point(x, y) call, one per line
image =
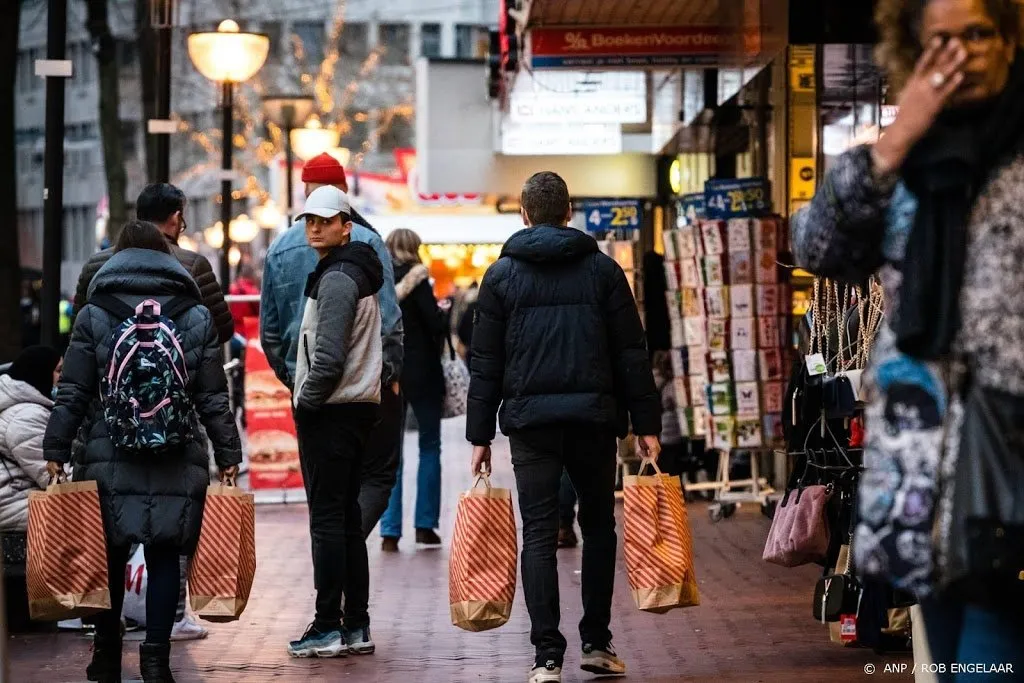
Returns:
point(627, 47)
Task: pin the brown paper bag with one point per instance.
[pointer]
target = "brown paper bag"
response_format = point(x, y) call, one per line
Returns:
point(657, 542)
point(66, 568)
point(221, 573)
point(482, 566)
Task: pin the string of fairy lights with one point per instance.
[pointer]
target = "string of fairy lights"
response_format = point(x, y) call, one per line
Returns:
point(257, 142)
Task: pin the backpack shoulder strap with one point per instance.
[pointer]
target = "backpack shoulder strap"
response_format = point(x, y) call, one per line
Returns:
point(111, 304)
point(176, 306)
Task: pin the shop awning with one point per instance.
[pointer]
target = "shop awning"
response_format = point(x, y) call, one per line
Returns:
point(452, 228)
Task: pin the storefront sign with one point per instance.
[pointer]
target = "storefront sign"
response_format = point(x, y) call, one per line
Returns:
point(273, 446)
point(609, 107)
point(725, 199)
point(641, 46)
point(560, 139)
point(691, 207)
point(612, 214)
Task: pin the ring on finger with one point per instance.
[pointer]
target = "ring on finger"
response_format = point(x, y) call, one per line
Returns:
point(938, 79)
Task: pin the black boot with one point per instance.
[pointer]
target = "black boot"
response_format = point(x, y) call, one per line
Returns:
point(155, 663)
point(105, 666)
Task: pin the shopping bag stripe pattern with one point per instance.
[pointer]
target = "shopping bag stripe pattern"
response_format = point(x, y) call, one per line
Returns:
point(657, 543)
point(483, 563)
point(66, 567)
point(224, 566)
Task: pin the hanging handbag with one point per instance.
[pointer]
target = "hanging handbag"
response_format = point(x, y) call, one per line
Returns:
point(985, 538)
point(799, 533)
point(838, 594)
point(456, 382)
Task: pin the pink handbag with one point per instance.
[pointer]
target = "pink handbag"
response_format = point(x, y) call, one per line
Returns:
point(799, 533)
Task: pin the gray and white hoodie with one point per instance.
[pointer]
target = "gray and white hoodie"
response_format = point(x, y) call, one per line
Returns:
point(340, 357)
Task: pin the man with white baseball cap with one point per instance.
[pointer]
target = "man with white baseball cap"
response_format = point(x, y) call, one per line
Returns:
point(336, 396)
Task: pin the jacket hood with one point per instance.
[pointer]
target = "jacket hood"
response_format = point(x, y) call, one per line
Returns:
point(409, 277)
point(549, 244)
point(358, 260)
point(14, 392)
point(144, 272)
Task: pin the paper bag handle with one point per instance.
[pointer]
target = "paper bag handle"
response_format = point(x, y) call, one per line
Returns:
point(484, 477)
point(653, 462)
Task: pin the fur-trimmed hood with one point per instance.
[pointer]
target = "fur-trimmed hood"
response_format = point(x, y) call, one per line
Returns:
point(414, 277)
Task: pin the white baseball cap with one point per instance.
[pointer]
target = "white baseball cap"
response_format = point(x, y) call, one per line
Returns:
point(326, 202)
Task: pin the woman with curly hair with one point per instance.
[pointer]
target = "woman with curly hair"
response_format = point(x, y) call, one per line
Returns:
point(934, 208)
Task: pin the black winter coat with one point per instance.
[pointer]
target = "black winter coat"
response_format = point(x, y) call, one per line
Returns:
point(196, 265)
point(144, 499)
point(558, 340)
point(425, 327)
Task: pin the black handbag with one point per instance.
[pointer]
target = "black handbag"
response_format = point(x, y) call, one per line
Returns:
point(986, 534)
point(839, 593)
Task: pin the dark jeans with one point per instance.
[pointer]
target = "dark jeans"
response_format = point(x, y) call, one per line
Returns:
point(164, 580)
point(566, 502)
point(333, 442)
point(588, 455)
point(961, 633)
point(383, 455)
point(428, 478)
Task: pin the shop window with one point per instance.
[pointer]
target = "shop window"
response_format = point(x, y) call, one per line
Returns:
point(354, 44)
point(310, 36)
point(397, 135)
point(470, 41)
point(395, 39)
point(430, 40)
point(273, 31)
point(358, 129)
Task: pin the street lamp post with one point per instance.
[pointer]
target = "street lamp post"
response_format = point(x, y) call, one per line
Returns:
point(288, 112)
point(227, 56)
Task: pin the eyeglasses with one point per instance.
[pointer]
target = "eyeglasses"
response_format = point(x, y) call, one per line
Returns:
point(973, 37)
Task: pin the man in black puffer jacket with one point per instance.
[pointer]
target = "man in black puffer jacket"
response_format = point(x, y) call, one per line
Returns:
point(558, 343)
point(163, 205)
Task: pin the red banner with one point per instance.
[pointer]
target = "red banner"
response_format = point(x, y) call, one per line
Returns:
point(562, 47)
point(273, 446)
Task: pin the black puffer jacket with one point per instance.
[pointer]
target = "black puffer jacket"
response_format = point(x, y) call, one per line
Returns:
point(145, 499)
point(558, 340)
point(425, 327)
point(196, 265)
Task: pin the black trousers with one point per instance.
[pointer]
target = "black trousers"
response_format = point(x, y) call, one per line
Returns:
point(383, 456)
point(333, 442)
point(587, 454)
point(163, 582)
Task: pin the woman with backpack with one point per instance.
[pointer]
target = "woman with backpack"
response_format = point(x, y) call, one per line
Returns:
point(142, 369)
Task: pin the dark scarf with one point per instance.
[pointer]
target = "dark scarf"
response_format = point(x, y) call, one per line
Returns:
point(946, 171)
point(357, 253)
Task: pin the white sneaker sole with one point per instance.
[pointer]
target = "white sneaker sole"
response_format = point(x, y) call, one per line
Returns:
point(544, 677)
point(362, 649)
point(321, 652)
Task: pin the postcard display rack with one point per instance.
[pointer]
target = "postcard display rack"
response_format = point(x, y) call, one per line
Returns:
point(729, 310)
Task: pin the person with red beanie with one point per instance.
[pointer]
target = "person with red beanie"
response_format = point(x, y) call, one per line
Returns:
point(289, 261)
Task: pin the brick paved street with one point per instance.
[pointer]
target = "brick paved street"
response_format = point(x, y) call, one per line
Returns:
point(754, 623)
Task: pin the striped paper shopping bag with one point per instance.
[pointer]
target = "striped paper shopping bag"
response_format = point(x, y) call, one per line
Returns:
point(222, 570)
point(482, 566)
point(66, 567)
point(658, 543)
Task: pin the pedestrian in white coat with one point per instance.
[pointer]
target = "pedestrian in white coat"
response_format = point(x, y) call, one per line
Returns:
point(25, 405)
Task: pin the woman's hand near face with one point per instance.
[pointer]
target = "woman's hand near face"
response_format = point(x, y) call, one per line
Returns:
point(938, 74)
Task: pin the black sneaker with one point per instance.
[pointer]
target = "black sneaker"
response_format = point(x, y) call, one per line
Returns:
point(602, 661)
point(546, 671)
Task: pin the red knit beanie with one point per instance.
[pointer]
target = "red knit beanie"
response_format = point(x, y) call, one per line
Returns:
point(324, 169)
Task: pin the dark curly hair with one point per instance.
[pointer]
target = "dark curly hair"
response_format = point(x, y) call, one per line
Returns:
point(899, 27)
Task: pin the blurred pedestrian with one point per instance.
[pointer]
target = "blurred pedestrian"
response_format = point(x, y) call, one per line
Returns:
point(164, 205)
point(246, 284)
point(149, 494)
point(558, 345)
point(26, 399)
point(425, 325)
point(289, 262)
point(933, 207)
point(336, 398)
point(566, 513)
point(464, 329)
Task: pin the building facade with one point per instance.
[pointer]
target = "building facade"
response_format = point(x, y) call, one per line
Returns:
point(373, 76)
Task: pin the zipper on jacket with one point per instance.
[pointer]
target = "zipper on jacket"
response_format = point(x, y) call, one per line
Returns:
point(305, 349)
